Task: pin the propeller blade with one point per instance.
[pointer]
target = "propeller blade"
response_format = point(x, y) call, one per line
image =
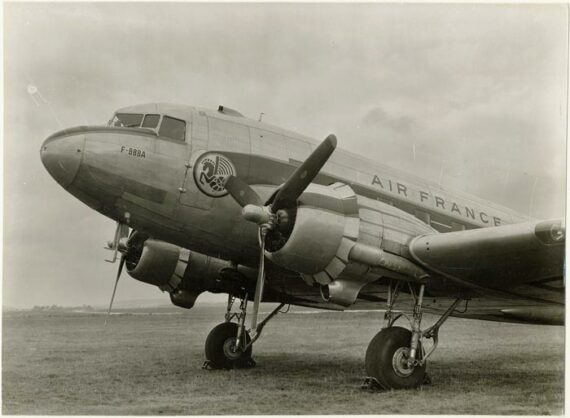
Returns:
point(260, 283)
point(304, 174)
point(121, 264)
point(122, 231)
point(136, 239)
point(242, 192)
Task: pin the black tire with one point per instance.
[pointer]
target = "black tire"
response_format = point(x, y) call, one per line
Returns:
point(219, 341)
point(385, 360)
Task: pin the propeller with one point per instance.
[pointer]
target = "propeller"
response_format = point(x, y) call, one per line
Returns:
point(118, 246)
point(119, 271)
point(242, 193)
point(267, 216)
point(303, 176)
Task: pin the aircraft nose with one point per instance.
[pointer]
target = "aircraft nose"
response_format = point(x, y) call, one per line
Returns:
point(61, 154)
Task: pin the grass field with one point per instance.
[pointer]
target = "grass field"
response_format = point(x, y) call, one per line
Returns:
point(68, 363)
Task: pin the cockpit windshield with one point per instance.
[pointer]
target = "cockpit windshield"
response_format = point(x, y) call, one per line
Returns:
point(127, 120)
point(172, 128)
point(162, 125)
point(151, 121)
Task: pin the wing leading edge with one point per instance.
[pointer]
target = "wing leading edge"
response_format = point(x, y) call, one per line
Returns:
point(499, 258)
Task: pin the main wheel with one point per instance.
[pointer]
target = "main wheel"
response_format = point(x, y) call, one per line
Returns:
point(221, 344)
point(387, 359)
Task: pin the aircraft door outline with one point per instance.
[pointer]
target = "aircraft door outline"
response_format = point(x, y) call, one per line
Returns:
point(190, 195)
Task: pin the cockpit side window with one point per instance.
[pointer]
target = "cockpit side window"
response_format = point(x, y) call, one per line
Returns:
point(173, 128)
point(127, 120)
point(151, 121)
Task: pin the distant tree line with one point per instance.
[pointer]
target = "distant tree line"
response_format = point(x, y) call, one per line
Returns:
point(62, 308)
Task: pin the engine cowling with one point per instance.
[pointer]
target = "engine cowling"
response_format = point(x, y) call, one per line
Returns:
point(325, 227)
point(183, 273)
point(332, 228)
point(156, 263)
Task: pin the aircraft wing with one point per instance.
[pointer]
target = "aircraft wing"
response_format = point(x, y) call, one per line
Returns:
point(501, 257)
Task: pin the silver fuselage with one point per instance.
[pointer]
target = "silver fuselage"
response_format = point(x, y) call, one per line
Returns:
point(135, 175)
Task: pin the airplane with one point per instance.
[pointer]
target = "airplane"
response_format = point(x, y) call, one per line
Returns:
point(208, 200)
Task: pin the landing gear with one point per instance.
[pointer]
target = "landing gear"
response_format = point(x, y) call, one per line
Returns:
point(395, 358)
point(229, 345)
point(222, 349)
point(387, 360)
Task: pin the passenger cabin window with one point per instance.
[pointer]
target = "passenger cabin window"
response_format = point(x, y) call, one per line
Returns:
point(127, 120)
point(440, 226)
point(423, 216)
point(151, 121)
point(173, 128)
point(456, 226)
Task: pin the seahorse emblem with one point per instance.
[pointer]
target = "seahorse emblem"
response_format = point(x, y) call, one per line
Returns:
point(210, 173)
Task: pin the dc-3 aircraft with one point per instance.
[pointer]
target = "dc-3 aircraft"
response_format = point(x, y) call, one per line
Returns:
point(213, 201)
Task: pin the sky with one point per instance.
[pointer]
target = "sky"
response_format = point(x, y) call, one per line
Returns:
point(471, 96)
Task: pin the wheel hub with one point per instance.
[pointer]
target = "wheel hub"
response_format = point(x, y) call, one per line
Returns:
point(230, 350)
point(400, 362)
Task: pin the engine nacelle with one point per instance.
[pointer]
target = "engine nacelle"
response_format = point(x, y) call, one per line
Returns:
point(332, 227)
point(326, 227)
point(184, 274)
point(157, 264)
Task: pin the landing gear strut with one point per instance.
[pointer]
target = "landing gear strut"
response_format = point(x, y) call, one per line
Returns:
point(229, 344)
point(395, 358)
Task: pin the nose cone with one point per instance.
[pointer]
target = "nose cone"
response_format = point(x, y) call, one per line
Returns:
point(61, 155)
